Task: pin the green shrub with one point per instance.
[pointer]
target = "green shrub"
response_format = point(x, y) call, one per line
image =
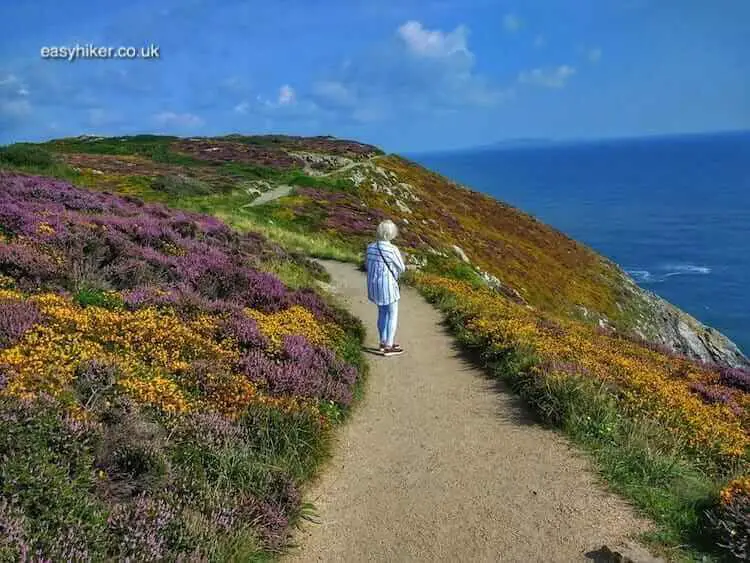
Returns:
point(26, 155)
point(452, 268)
point(730, 524)
point(141, 463)
point(98, 298)
point(298, 178)
point(180, 186)
point(45, 482)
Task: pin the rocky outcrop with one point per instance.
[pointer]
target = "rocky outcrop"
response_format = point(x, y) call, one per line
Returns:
point(684, 334)
point(317, 163)
point(458, 251)
point(659, 322)
point(502, 288)
point(662, 323)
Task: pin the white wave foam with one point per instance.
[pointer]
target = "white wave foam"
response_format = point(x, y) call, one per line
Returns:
point(640, 275)
point(667, 271)
point(677, 269)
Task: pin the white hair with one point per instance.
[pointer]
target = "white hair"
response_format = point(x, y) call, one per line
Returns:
point(387, 230)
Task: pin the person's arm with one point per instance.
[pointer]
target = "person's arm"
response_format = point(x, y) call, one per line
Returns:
point(399, 260)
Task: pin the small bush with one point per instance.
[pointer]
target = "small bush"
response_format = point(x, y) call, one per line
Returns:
point(453, 268)
point(26, 155)
point(298, 178)
point(94, 380)
point(730, 519)
point(99, 298)
point(16, 318)
point(140, 462)
point(180, 186)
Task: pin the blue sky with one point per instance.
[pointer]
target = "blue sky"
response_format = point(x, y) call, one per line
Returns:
point(408, 75)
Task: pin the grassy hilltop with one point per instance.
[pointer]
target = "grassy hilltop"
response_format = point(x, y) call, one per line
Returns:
point(172, 382)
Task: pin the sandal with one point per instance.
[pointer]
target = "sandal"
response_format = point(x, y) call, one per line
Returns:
point(392, 351)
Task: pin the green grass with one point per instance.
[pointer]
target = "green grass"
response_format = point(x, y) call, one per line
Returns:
point(26, 155)
point(33, 159)
point(133, 145)
point(293, 275)
point(88, 297)
point(46, 458)
point(176, 186)
point(452, 268)
point(634, 457)
point(299, 178)
point(245, 171)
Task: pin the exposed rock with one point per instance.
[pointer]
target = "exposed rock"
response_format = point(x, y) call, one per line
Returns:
point(665, 324)
point(255, 188)
point(402, 206)
point(437, 252)
point(416, 260)
point(357, 177)
point(628, 553)
point(380, 180)
point(317, 163)
point(458, 251)
point(502, 288)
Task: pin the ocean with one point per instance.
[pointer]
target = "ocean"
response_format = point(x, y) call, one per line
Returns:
point(674, 212)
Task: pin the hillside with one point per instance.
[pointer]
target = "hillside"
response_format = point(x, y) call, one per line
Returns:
point(568, 328)
point(344, 188)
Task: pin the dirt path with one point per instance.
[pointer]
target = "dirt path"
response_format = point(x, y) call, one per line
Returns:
point(436, 465)
point(350, 166)
point(283, 190)
point(276, 193)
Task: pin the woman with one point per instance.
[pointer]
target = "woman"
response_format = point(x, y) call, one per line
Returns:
point(384, 265)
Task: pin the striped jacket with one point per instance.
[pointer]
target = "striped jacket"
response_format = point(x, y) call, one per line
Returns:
point(382, 287)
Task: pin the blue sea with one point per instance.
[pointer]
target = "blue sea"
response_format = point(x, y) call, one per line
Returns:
point(674, 212)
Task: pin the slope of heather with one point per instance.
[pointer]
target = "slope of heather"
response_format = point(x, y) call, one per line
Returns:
point(345, 187)
point(660, 401)
point(161, 393)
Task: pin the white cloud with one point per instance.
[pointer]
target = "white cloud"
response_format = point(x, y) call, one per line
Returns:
point(548, 78)
point(287, 106)
point(540, 41)
point(9, 80)
point(179, 120)
point(512, 23)
point(426, 43)
point(594, 55)
point(286, 95)
point(242, 107)
point(419, 71)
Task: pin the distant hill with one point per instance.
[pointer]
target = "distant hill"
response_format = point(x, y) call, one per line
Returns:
point(516, 143)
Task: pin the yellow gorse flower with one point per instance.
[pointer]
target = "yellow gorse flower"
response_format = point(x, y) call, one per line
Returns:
point(152, 351)
point(734, 488)
point(654, 383)
point(295, 320)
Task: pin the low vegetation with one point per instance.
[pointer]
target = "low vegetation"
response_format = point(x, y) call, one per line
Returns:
point(162, 395)
point(537, 309)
